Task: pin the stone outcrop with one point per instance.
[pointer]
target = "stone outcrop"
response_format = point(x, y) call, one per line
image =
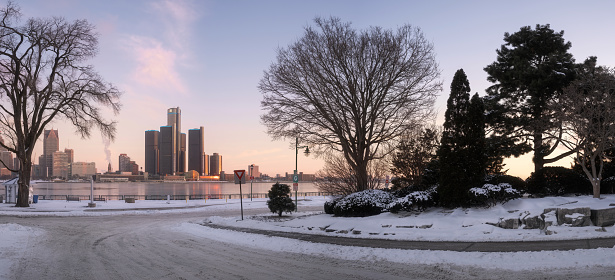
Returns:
point(603, 217)
point(576, 217)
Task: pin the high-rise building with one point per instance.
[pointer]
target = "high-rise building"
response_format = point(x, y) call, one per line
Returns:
point(253, 171)
point(51, 144)
point(166, 143)
point(134, 167)
point(60, 165)
point(152, 151)
point(71, 155)
point(181, 167)
point(196, 150)
point(124, 163)
point(205, 165)
point(215, 164)
point(174, 119)
point(83, 169)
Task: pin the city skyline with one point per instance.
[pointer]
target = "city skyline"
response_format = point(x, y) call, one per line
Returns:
point(207, 58)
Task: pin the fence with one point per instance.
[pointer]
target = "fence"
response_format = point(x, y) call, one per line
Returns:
point(172, 197)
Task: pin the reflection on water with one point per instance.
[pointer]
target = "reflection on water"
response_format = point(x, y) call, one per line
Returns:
point(157, 188)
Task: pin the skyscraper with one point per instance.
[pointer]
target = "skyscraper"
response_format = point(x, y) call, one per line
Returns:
point(60, 165)
point(174, 119)
point(152, 152)
point(166, 144)
point(181, 167)
point(205, 165)
point(215, 164)
point(124, 163)
point(196, 147)
point(51, 144)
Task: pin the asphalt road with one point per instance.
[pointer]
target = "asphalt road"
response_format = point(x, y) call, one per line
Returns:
point(146, 247)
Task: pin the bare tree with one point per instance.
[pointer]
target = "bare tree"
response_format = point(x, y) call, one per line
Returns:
point(337, 177)
point(589, 115)
point(42, 78)
point(352, 92)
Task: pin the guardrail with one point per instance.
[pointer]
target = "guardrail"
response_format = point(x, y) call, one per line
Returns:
point(171, 197)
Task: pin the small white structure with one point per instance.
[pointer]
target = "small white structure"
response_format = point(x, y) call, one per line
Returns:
point(11, 189)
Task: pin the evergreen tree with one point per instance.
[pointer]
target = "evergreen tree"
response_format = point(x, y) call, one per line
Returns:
point(532, 68)
point(414, 152)
point(462, 150)
point(279, 199)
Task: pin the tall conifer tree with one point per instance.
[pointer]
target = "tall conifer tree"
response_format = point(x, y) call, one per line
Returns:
point(462, 155)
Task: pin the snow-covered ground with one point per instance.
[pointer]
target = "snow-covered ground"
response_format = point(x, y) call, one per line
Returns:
point(436, 224)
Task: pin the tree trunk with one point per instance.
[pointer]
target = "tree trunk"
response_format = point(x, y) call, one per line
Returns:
point(362, 178)
point(24, 183)
point(539, 158)
point(596, 187)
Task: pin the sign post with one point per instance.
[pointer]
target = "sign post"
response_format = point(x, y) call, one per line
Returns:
point(239, 179)
point(296, 187)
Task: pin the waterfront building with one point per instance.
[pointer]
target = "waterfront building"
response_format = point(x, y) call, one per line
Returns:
point(83, 169)
point(51, 144)
point(152, 152)
point(124, 163)
point(196, 152)
point(60, 165)
point(174, 120)
point(166, 145)
point(215, 164)
point(253, 171)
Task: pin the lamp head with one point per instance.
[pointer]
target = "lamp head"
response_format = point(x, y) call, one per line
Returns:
point(307, 151)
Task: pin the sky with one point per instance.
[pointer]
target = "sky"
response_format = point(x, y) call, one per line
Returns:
point(207, 58)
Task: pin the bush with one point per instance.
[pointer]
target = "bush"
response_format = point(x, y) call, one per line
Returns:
point(489, 194)
point(364, 203)
point(416, 200)
point(516, 182)
point(279, 199)
point(330, 205)
point(555, 181)
point(607, 186)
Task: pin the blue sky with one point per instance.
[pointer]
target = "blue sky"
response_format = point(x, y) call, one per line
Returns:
point(207, 58)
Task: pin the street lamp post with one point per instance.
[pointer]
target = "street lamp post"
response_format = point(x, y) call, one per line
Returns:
point(307, 153)
point(251, 179)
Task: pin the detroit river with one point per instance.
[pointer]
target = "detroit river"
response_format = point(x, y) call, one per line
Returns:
point(212, 188)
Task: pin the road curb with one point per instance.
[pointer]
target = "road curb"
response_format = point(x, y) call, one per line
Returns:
point(457, 246)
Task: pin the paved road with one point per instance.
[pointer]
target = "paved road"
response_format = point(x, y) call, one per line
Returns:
point(146, 247)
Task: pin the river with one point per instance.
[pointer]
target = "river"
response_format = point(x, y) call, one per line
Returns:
point(160, 188)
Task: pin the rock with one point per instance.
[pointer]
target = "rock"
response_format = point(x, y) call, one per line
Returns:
point(532, 222)
point(425, 226)
point(603, 217)
point(356, 232)
point(129, 200)
point(549, 218)
point(602, 229)
point(342, 231)
point(404, 226)
point(577, 217)
point(329, 230)
point(509, 223)
point(373, 233)
point(386, 226)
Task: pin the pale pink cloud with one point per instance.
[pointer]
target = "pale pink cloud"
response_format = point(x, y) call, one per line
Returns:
point(178, 17)
point(156, 65)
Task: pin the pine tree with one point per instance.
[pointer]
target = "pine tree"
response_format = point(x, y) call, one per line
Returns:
point(462, 150)
point(532, 68)
point(279, 199)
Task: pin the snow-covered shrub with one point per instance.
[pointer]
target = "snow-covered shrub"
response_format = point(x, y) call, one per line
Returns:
point(364, 203)
point(417, 200)
point(330, 205)
point(490, 194)
point(516, 182)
